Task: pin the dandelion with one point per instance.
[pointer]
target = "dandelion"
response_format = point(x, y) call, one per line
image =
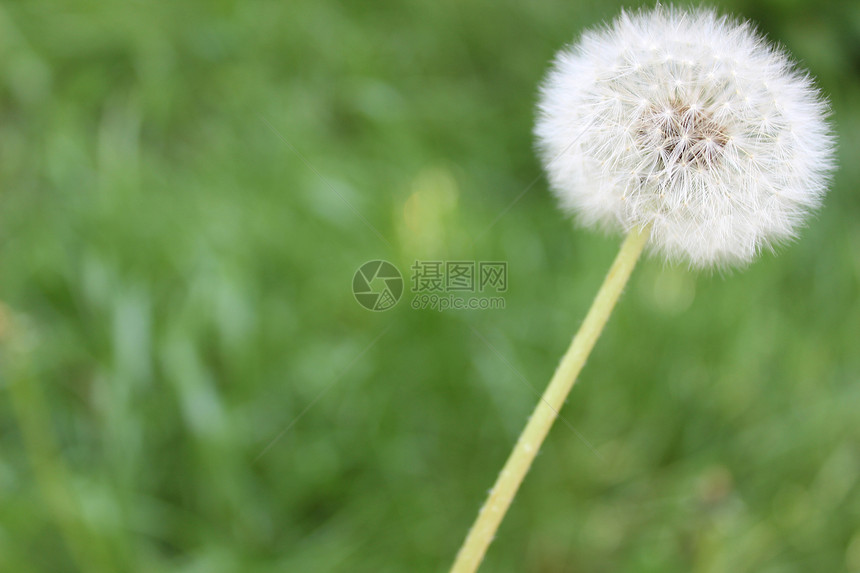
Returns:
point(690, 133)
point(690, 124)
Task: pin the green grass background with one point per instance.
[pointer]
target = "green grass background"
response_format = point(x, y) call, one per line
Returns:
point(182, 278)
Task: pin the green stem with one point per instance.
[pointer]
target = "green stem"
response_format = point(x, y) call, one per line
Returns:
point(490, 516)
point(30, 408)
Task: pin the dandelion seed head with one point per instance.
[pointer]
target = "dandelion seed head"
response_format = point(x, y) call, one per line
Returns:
point(689, 122)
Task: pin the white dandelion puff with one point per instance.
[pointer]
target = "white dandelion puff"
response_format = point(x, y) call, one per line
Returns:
point(690, 123)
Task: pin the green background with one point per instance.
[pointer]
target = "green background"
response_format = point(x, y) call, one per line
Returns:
point(186, 189)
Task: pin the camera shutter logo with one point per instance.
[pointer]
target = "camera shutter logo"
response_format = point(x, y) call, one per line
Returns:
point(377, 285)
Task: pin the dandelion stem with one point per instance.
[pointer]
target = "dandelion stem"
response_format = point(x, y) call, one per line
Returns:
point(493, 511)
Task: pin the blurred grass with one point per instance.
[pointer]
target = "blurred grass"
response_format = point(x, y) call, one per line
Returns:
point(185, 276)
